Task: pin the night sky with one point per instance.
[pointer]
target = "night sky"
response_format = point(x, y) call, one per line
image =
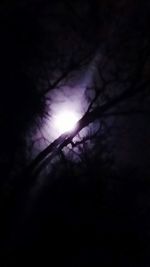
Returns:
point(75, 133)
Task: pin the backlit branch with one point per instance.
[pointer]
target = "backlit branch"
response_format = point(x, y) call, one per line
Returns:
point(88, 118)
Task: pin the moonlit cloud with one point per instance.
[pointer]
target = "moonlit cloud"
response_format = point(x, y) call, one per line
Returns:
point(67, 105)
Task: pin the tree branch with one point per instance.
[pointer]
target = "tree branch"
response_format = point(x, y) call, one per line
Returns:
point(88, 118)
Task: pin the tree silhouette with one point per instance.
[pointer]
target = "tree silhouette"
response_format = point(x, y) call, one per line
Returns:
point(72, 187)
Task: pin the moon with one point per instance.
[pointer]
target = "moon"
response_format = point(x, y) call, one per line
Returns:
point(65, 121)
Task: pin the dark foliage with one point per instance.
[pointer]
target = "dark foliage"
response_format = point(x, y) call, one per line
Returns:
point(56, 210)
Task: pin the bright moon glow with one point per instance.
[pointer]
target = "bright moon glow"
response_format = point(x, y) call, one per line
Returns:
point(65, 121)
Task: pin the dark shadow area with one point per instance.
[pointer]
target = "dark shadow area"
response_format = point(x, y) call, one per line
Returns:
point(57, 210)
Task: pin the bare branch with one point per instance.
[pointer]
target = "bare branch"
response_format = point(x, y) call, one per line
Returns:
point(88, 118)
